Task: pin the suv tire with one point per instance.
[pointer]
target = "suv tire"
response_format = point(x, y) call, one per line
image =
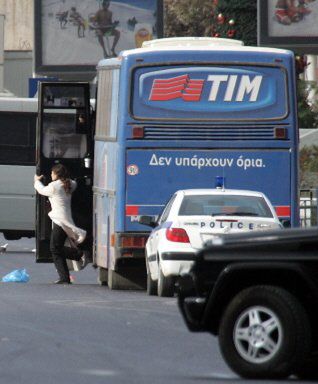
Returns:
point(264, 333)
point(308, 370)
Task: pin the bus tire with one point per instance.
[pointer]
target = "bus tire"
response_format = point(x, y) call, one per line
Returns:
point(102, 276)
point(118, 281)
point(264, 333)
point(165, 284)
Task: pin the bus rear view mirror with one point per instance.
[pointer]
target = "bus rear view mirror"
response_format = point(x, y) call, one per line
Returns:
point(147, 220)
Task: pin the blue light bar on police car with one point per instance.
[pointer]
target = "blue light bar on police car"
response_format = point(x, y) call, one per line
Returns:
point(219, 182)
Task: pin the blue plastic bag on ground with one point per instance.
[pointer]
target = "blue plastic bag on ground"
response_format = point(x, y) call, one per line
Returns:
point(16, 276)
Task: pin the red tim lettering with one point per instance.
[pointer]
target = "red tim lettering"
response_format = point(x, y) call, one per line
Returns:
point(176, 87)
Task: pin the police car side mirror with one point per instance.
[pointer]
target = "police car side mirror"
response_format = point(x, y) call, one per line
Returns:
point(147, 220)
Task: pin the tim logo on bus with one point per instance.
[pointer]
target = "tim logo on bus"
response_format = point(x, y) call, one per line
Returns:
point(234, 88)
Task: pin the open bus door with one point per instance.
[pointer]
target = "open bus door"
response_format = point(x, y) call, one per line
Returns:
point(65, 136)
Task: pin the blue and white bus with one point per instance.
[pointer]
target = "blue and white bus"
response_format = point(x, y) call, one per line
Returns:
point(174, 115)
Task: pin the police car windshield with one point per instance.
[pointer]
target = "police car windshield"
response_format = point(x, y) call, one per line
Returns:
point(225, 205)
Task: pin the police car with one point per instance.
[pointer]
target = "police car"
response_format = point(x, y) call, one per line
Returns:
point(190, 219)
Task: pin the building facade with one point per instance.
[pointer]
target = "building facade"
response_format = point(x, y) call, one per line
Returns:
point(18, 45)
point(18, 25)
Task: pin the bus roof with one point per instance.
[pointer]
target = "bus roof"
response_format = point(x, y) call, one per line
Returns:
point(190, 42)
point(208, 43)
point(193, 44)
point(18, 104)
point(220, 48)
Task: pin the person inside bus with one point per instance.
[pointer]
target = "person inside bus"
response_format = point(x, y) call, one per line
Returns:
point(59, 192)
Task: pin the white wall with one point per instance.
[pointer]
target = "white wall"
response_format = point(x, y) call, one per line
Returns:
point(18, 25)
point(18, 67)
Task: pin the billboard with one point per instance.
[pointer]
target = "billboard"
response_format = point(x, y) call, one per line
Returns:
point(73, 35)
point(288, 24)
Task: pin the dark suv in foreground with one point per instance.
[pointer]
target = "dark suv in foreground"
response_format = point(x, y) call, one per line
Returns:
point(259, 294)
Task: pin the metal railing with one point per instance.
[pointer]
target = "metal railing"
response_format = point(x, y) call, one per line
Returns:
point(308, 207)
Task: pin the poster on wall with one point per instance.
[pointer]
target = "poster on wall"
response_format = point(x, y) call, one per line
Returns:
point(73, 35)
point(288, 24)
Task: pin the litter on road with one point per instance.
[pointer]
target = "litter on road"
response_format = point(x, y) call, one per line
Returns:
point(16, 276)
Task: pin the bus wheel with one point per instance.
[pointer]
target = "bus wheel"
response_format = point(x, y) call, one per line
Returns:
point(102, 276)
point(118, 281)
point(165, 284)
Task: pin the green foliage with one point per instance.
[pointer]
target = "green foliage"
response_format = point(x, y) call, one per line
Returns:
point(199, 18)
point(307, 113)
point(244, 13)
point(187, 18)
point(308, 157)
point(308, 161)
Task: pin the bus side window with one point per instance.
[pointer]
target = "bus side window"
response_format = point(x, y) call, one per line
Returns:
point(17, 144)
point(107, 104)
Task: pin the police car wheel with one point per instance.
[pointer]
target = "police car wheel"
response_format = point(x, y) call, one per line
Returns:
point(165, 284)
point(264, 333)
point(151, 284)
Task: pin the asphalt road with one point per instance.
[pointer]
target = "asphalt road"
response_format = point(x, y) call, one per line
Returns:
point(85, 333)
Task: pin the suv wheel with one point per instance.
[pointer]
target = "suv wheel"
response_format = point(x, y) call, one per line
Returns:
point(264, 333)
point(308, 370)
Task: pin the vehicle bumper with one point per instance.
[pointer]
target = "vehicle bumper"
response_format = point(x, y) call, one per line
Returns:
point(176, 263)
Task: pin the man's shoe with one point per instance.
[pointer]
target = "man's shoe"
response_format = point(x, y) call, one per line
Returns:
point(62, 282)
